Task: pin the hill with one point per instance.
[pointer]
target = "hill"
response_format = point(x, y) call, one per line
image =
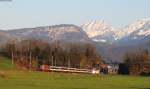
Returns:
point(63, 32)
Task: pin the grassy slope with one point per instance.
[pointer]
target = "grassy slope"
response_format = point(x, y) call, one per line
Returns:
point(37, 80)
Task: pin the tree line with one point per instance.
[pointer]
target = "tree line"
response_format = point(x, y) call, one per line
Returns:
point(30, 54)
point(138, 63)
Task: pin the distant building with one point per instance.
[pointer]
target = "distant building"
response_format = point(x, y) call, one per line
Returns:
point(113, 68)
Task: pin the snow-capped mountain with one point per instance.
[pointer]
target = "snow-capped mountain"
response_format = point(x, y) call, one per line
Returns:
point(140, 25)
point(138, 31)
point(99, 31)
point(131, 38)
point(62, 32)
point(102, 32)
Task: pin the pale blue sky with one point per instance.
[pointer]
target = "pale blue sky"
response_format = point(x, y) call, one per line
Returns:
point(32, 13)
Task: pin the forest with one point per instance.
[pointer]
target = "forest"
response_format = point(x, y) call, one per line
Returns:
point(30, 54)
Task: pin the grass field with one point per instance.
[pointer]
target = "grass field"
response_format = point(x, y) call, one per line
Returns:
point(13, 79)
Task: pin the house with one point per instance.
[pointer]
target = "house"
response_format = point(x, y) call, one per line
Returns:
point(113, 68)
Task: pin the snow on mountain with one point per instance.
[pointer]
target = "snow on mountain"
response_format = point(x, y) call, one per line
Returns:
point(140, 30)
point(50, 33)
point(99, 31)
point(141, 27)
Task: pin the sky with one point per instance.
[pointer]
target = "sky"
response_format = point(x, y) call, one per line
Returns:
point(33, 13)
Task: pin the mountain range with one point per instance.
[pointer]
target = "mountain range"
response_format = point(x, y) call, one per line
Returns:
point(112, 43)
point(102, 32)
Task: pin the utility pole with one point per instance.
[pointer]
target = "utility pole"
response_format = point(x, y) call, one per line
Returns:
point(12, 46)
point(30, 56)
point(52, 61)
point(69, 62)
point(56, 49)
point(30, 60)
point(55, 62)
point(12, 57)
